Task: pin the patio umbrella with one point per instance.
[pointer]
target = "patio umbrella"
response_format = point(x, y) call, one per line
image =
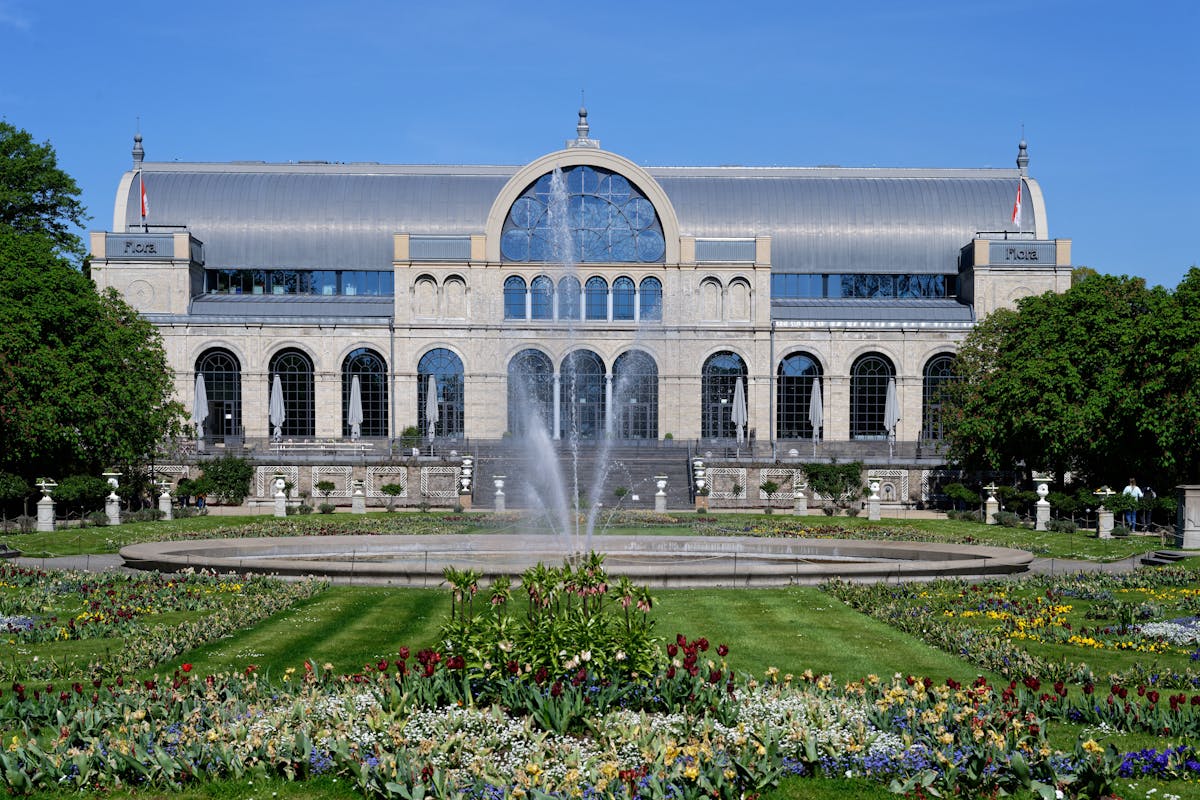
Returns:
point(354, 414)
point(200, 407)
point(816, 412)
point(277, 414)
point(891, 413)
point(738, 415)
point(431, 406)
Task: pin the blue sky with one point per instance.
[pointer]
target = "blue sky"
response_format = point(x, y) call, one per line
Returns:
point(1109, 93)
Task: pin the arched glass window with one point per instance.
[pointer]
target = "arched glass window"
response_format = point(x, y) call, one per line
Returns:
point(623, 298)
point(582, 214)
point(718, 382)
point(797, 375)
point(650, 299)
point(295, 372)
point(514, 297)
point(446, 405)
point(568, 298)
point(635, 396)
point(541, 292)
point(371, 371)
point(939, 373)
point(868, 396)
point(530, 392)
point(223, 389)
point(582, 395)
point(596, 298)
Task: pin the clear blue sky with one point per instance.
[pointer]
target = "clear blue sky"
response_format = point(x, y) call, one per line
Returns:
point(1109, 93)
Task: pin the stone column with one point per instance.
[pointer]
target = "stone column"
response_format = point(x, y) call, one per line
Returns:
point(1043, 507)
point(45, 506)
point(358, 501)
point(800, 504)
point(498, 481)
point(112, 503)
point(660, 497)
point(873, 502)
point(1187, 517)
point(280, 498)
point(1104, 525)
point(991, 506)
point(164, 501)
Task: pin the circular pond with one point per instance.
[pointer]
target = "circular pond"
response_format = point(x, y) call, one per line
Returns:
point(658, 561)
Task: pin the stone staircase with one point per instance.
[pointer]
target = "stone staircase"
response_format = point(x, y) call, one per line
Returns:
point(1164, 558)
point(632, 467)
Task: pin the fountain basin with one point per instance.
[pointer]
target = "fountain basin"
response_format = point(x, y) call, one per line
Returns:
point(657, 561)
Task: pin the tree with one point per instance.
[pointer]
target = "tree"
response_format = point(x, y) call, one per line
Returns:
point(36, 197)
point(842, 483)
point(1102, 380)
point(84, 382)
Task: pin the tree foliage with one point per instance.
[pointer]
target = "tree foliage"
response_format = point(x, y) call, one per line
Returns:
point(36, 197)
point(1102, 381)
point(84, 382)
point(842, 483)
point(228, 478)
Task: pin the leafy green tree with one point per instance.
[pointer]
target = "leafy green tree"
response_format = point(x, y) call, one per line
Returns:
point(841, 482)
point(228, 477)
point(36, 197)
point(82, 493)
point(84, 382)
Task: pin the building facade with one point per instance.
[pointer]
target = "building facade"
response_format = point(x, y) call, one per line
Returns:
point(581, 292)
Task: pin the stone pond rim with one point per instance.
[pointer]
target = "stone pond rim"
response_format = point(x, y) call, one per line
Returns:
point(656, 561)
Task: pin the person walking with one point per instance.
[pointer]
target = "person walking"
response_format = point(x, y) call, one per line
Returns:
point(1131, 513)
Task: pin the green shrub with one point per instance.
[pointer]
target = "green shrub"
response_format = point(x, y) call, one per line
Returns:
point(228, 478)
point(1120, 531)
point(304, 508)
point(1007, 519)
point(960, 495)
point(97, 518)
point(82, 493)
point(13, 490)
point(410, 437)
point(326, 508)
point(841, 482)
point(1061, 526)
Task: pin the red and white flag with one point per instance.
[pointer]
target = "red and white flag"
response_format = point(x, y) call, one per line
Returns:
point(1016, 215)
point(145, 201)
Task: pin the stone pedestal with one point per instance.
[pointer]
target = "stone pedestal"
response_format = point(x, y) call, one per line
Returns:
point(1187, 517)
point(873, 503)
point(498, 482)
point(800, 505)
point(990, 509)
point(464, 500)
point(164, 505)
point(702, 502)
point(660, 497)
point(358, 501)
point(1042, 515)
point(45, 515)
point(112, 509)
point(1104, 527)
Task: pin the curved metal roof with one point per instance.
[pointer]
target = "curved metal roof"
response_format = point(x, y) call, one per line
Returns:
point(342, 216)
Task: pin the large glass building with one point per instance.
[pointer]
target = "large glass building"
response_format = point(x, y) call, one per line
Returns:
point(581, 293)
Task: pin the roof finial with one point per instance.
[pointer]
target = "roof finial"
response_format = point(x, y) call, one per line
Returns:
point(582, 128)
point(1023, 154)
point(138, 152)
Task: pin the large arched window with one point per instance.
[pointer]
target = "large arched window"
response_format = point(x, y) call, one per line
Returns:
point(869, 379)
point(541, 294)
point(568, 298)
point(514, 297)
point(530, 392)
point(440, 370)
point(582, 214)
point(295, 372)
point(596, 298)
point(371, 371)
point(798, 376)
point(635, 396)
point(718, 384)
point(939, 373)
point(623, 299)
point(582, 395)
point(222, 376)
point(650, 299)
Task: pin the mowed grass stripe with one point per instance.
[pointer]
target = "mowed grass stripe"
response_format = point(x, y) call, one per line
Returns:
point(344, 625)
point(799, 628)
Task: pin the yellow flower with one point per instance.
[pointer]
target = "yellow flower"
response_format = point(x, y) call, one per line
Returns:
point(16, 743)
point(1090, 746)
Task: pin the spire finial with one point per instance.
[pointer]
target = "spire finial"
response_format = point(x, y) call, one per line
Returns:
point(138, 153)
point(1023, 154)
point(582, 128)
